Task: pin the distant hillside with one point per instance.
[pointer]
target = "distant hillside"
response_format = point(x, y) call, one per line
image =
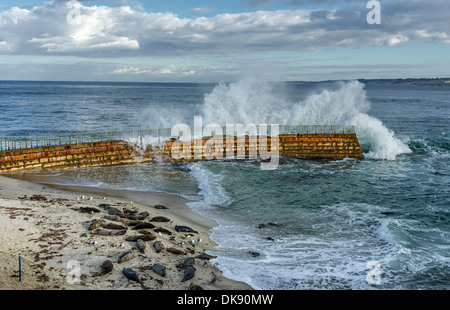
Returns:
point(423, 82)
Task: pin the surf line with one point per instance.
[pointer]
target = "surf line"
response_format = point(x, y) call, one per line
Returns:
point(214, 147)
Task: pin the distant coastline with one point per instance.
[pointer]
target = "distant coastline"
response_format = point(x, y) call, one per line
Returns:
point(398, 81)
point(408, 81)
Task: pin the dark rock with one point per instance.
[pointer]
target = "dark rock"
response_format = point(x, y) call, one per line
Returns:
point(255, 254)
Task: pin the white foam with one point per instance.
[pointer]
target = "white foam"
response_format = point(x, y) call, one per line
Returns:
point(210, 185)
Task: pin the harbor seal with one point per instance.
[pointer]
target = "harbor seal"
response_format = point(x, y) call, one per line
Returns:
point(159, 246)
point(160, 219)
point(176, 251)
point(114, 218)
point(113, 226)
point(103, 232)
point(190, 261)
point(144, 237)
point(139, 217)
point(159, 269)
point(189, 273)
point(141, 245)
point(96, 224)
point(107, 267)
point(206, 256)
point(163, 231)
point(143, 226)
point(184, 229)
point(126, 256)
point(89, 210)
point(131, 274)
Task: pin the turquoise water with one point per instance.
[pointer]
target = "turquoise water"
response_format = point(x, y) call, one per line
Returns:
point(335, 220)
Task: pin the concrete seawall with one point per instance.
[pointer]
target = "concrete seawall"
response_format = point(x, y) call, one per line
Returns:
point(94, 154)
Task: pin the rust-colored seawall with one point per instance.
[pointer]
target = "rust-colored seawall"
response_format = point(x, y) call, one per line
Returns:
point(308, 146)
point(67, 156)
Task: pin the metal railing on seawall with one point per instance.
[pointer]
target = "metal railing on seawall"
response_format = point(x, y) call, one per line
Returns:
point(158, 135)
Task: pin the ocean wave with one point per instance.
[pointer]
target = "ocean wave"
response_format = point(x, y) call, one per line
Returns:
point(256, 101)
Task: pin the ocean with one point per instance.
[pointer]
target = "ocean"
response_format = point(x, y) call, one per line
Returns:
point(381, 223)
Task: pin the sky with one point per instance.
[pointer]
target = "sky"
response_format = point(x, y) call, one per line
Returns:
point(217, 40)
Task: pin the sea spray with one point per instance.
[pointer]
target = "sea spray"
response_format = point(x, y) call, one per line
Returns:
point(257, 101)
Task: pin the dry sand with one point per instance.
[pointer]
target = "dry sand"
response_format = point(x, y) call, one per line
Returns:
point(46, 226)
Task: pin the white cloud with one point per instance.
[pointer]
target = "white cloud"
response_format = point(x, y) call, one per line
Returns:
point(123, 31)
point(6, 47)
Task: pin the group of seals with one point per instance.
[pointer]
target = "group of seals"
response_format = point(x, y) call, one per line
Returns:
point(129, 218)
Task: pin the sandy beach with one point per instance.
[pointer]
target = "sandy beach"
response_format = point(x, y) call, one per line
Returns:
point(64, 240)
